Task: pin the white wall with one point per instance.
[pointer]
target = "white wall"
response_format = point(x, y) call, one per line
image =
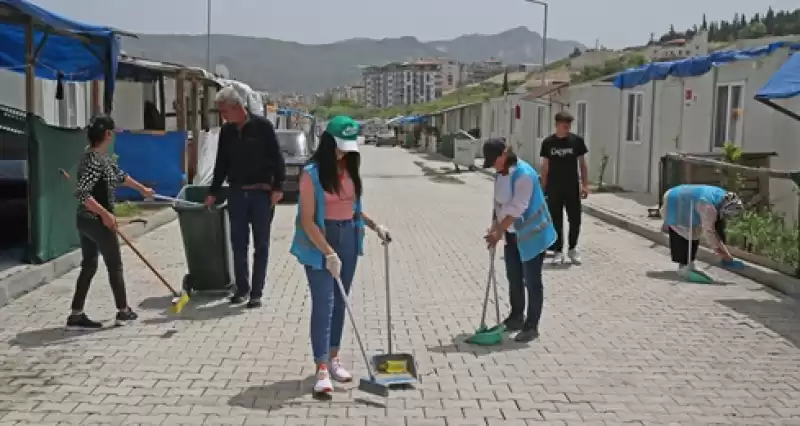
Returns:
point(12, 93)
point(634, 168)
point(602, 125)
point(129, 105)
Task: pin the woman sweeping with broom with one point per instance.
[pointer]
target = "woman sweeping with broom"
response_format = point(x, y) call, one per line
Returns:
point(329, 236)
point(520, 216)
point(692, 210)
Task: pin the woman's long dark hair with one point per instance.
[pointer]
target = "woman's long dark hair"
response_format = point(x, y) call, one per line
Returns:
point(328, 165)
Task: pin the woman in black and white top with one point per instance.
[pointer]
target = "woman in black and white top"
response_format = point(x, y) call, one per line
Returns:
point(98, 177)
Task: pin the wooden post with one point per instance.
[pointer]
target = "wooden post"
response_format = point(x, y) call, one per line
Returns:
point(30, 76)
point(162, 100)
point(96, 104)
point(180, 101)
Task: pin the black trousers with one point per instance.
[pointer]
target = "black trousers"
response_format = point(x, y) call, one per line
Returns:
point(569, 200)
point(96, 239)
point(679, 247)
point(524, 277)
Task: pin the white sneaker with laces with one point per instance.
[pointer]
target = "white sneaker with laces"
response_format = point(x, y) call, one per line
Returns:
point(558, 257)
point(574, 256)
point(324, 384)
point(339, 373)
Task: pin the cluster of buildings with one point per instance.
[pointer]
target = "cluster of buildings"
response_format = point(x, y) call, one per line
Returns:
point(414, 82)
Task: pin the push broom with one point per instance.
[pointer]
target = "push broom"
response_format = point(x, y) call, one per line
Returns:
point(179, 300)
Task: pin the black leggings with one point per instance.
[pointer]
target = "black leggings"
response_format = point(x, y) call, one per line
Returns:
point(96, 239)
point(679, 246)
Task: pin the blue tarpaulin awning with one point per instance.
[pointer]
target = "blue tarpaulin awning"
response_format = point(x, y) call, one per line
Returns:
point(411, 119)
point(693, 66)
point(784, 84)
point(64, 49)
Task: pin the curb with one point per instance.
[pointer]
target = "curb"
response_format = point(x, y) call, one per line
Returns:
point(15, 285)
point(771, 278)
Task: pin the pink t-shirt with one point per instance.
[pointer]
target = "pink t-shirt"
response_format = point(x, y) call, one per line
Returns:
point(337, 206)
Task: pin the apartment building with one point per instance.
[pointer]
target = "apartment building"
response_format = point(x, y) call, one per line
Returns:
point(404, 83)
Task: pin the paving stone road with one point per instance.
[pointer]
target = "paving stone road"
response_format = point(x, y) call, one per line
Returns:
point(622, 341)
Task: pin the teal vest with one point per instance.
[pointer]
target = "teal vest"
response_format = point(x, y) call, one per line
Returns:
point(535, 231)
point(683, 199)
point(302, 247)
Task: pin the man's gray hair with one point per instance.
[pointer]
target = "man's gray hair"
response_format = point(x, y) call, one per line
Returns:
point(229, 96)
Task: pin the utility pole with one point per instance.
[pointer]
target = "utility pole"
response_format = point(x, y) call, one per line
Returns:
point(208, 37)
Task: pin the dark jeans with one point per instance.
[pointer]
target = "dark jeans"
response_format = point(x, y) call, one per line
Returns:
point(250, 208)
point(524, 277)
point(679, 246)
point(559, 200)
point(96, 239)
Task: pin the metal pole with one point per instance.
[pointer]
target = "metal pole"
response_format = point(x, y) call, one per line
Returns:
point(208, 37)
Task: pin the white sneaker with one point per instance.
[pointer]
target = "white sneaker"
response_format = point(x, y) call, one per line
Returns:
point(574, 256)
point(558, 257)
point(339, 373)
point(683, 271)
point(324, 384)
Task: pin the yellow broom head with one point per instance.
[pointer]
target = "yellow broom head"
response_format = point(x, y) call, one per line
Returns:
point(178, 303)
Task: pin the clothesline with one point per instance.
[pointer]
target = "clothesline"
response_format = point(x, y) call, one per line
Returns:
point(66, 76)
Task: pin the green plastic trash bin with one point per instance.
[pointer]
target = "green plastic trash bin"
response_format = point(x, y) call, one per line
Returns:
point(206, 241)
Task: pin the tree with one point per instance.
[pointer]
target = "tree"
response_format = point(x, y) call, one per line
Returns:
point(704, 25)
point(575, 52)
point(505, 82)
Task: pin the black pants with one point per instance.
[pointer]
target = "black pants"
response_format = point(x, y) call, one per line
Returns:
point(679, 246)
point(557, 202)
point(524, 277)
point(96, 239)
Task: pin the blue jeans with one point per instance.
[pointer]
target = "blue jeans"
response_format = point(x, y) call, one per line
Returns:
point(250, 208)
point(327, 305)
point(524, 277)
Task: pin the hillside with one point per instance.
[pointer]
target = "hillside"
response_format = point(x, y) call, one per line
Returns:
point(276, 65)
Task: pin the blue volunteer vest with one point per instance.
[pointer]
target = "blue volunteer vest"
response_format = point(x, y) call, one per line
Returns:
point(302, 247)
point(683, 199)
point(534, 229)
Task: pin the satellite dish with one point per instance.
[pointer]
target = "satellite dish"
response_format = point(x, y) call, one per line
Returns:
point(222, 71)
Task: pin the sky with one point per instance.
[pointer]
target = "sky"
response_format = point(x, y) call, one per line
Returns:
point(615, 23)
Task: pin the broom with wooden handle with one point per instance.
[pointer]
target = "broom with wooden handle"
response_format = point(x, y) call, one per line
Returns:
point(179, 300)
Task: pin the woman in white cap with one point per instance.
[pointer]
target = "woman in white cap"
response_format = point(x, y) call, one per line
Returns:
point(329, 238)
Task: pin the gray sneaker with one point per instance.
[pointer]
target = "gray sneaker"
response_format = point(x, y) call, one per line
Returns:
point(574, 256)
point(558, 257)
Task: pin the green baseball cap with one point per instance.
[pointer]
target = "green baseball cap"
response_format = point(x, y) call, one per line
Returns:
point(345, 130)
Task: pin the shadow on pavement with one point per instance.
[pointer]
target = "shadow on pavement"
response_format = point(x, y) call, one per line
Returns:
point(677, 279)
point(199, 308)
point(459, 345)
point(780, 316)
point(286, 393)
point(59, 336)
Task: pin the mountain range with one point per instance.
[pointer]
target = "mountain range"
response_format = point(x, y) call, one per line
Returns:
point(283, 66)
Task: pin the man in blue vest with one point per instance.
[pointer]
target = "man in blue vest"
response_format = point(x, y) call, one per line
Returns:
point(520, 215)
point(690, 211)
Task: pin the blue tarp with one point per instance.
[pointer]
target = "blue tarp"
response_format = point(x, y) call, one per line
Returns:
point(693, 66)
point(785, 83)
point(154, 159)
point(61, 56)
point(411, 119)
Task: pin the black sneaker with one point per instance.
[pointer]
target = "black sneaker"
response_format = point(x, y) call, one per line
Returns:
point(513, 323)
point(254, 303)
point(124, 318)
point(526, 335)
point(237, 300)
point(82, 322)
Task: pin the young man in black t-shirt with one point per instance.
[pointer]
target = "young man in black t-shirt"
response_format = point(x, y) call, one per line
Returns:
point(563, 155)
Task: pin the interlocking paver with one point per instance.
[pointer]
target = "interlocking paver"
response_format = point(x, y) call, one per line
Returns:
point(622, 342)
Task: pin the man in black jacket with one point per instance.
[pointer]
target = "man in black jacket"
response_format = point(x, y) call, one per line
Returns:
point(249, 157)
